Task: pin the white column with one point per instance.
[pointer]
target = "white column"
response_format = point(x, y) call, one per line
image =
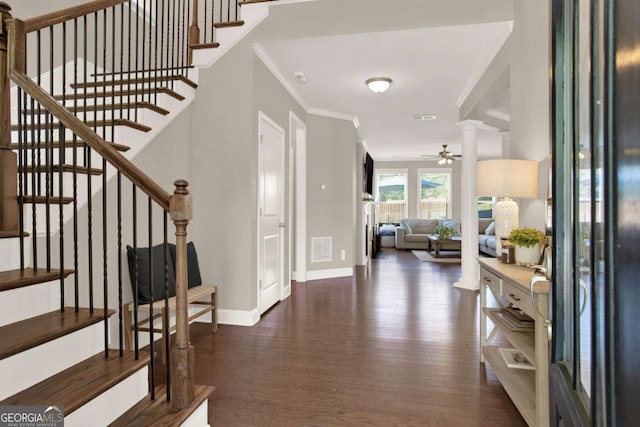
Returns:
point(469, 207)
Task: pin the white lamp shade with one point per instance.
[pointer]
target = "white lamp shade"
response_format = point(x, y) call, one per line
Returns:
point(378, 84)
point(507, 178)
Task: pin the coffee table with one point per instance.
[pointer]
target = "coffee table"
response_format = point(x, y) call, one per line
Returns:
point(435, 243)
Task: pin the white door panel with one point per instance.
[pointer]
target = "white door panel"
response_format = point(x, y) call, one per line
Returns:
point(271, 209)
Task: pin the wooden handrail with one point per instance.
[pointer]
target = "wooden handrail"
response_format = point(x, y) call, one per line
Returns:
point(50, 19)
point(139, 178)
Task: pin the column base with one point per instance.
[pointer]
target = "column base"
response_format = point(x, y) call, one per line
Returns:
point(470, 285)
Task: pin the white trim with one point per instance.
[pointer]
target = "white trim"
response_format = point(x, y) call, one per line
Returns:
point(329, 273)
point(271, 66)
point(263, 118)
point(500, 115)
point(484, 64)
point(236, 317)
point(332, 114)
point(300, 196)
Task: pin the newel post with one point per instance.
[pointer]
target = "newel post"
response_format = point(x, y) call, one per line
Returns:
point(8, 159)
point(194, 31)
point(182, 353)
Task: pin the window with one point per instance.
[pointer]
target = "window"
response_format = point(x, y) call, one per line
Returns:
point(434, 193)
point(391, 195)
point(485, 206)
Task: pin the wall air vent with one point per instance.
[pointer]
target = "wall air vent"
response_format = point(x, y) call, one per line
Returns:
point(321, 249)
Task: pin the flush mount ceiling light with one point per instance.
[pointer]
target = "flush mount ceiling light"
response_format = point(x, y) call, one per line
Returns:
point(378, 84)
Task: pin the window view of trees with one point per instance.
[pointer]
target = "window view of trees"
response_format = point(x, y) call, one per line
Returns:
point(391, 196)
point(435, 194)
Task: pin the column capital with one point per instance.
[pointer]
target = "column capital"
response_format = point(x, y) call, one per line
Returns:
point(469, 124)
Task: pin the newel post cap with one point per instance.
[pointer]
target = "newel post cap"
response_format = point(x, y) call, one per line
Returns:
point(180, 205)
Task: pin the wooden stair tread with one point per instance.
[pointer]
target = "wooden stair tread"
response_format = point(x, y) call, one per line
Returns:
point(11, 234)
point(79, 384)
point(66, 144)
point(64, 168)
point(213, 45)
point(157, 413)
point(13, 279)
point(29, 333)
point(228, 24)
point(90, 123)
point(134, 81)
point(112, 93)
point(43, 199)
point(109, 107)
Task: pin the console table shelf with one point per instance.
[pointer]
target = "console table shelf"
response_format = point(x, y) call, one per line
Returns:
point(509, 285)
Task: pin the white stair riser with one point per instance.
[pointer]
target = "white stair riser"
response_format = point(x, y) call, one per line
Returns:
point(29, 301)
point(48, 359)
point(10, 253)
point(108, 406)
point(199, 417)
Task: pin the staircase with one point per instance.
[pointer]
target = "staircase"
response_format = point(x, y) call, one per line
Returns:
point(90, 87)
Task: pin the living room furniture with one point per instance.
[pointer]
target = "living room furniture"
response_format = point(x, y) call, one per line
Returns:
point(436, 243)
point(150, 290)
point(412, 234)
point(510, 286)
point(206, 296)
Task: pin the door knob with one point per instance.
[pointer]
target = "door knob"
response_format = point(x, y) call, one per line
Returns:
point(281, 225)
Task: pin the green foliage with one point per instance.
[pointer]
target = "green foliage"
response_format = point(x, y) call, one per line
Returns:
point(444, 232)
point(526, 237)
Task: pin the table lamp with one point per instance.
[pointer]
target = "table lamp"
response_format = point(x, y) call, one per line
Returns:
point(507, 179)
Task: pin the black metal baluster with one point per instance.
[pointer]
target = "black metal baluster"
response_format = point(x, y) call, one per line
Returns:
point(119, 256)
point(152, 298)
point(167, 347)
point(74, 143)
point(22, 163)
point(61, 160)
point(136, 284)
point(48, 155)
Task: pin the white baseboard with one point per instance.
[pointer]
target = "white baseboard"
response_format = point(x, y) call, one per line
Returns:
point(329, 274)
point(233, 317)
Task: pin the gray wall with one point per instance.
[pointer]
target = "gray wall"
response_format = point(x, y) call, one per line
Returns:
point(530, 99)
point(412, 169)
point(224, 168)
point(331, 160)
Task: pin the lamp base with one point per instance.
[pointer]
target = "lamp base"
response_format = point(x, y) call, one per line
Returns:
point(506, 216)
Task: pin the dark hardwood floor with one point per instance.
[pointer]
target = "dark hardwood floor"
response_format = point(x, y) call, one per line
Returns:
point(396, 345)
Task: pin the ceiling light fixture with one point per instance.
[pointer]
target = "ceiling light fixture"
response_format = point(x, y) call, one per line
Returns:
point(378, 84)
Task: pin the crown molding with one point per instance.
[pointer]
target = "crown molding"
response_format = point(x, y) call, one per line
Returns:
point(271, 66)
point(480, 70)
point(498, 115)
point(333, 114)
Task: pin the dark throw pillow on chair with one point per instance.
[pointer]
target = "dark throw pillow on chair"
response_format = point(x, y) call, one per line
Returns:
point(193, 269)
point(144, 261)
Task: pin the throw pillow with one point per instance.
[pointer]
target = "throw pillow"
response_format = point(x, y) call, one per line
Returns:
point(140, 269)
point(491, 229)
point(193, 268)
point(404, 223)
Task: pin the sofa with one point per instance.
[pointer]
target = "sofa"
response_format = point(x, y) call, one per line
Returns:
point(412, 234)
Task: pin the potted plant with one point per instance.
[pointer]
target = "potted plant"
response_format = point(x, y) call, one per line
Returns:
point(528, 243)
point(445, 232)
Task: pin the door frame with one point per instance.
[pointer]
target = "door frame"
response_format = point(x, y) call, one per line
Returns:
point(262, 117)
point(298, 141)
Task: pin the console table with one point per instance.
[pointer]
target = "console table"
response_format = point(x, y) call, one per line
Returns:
point(509, 285)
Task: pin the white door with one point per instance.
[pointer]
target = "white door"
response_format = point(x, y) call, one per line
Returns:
point(270, 215)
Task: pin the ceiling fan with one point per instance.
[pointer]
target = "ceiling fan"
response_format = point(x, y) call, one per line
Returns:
point(445, 157)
